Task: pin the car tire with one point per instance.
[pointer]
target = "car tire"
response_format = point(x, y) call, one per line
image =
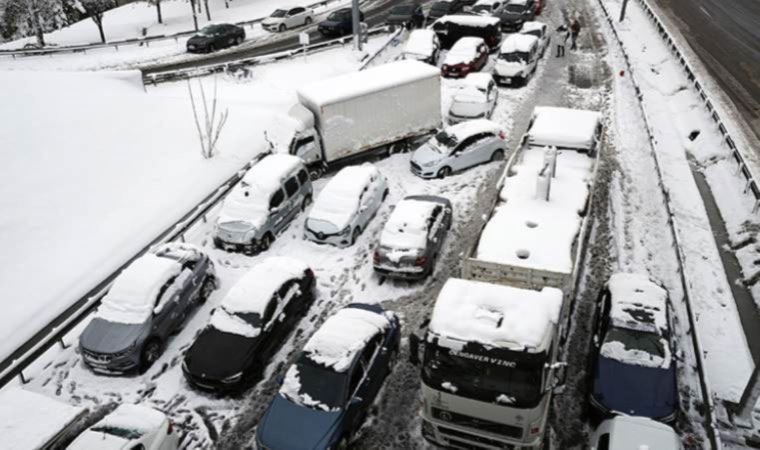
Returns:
point(498, 155)
point(385, 193)
point(266, 242)
point(355, 235)
point(308, 21)
point(208, 286)
point(281, 28)
point(211, 48)
point(149, 354)
point(238, 40)
point(444, 172)
point(305, 203)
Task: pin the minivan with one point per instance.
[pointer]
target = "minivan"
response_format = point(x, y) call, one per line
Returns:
point(265, 201)
point(451, 28)
point(517, 60)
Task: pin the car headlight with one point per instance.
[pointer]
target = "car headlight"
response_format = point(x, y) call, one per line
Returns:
point(429, 163)
point(233, 379)
point(250, 234)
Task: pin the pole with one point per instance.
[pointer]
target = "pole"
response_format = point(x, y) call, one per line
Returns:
point(356, 25)
point(622, 10)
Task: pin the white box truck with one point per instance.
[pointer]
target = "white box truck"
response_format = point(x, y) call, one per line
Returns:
point(351, 116)
point(487, 379)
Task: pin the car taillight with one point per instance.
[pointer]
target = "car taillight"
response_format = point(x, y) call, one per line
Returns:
point(170, 428)
point(445, 67)
point(376, 257)
point(502, 135)
point(420, 261)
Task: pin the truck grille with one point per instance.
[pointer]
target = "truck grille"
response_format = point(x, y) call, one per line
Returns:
point(471, 437)
point(478, 424)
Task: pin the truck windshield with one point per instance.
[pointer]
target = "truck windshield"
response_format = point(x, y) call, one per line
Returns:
point(511, 381)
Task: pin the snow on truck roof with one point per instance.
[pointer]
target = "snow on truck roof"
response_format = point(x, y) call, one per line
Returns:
point(469, 20)
point(133, 294)
point(339, 199)
point(518, 43)
point(342, 336)
point(528, 232)
point(637, 302)
point(31, 420)
point(355, 84)
point(495, 315)
point(563, 127)
point(406, 227)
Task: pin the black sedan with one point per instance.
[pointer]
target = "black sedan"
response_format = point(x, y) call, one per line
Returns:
point(445, 8)
point(328, 392)
point(407, 15)
point(339, 23)
point(634, 371)
point(214, 37)
point(411, 240)
point(249, 325)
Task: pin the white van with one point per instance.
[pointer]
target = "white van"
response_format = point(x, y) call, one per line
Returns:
point(517, 60)
point(632, 433)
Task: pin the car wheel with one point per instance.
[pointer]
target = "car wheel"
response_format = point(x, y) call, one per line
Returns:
point(149, 354)
point(211, 48)
point(281, 28)
point(385, 193)
point(444, 172)
point(306, 202)
point(266, 242)
point(239, 40)
point(209, 284)
point(355, 235)
point(308, 21)
point(498, 155)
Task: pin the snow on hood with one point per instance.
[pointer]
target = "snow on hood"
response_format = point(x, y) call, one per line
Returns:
point(470, 94)
point(495, 315)
point(339, 200)
point(518, 43)
point(406, 227)
point(420, 43)
point(133, 294)
point(563, 127)
point(617, 350)
point(342, 336)
point(464, 51)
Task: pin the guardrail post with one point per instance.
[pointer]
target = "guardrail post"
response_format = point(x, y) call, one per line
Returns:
point(22, 377)
point(748, 185)
point(63, 344)
point(757, 206)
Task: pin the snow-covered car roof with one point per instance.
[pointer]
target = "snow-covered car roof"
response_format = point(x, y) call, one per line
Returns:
point(31, 420)
point(518, 43)
point(269, 173)
point(464, 50)
point(252, 293)
point(339, 199)
point(528, 232)
point(135, 290)
point(478, 79)
point(495, 315)
point(342, 336)
point(355, 84)
point(563, 127)
point(406, 227)
point(637, 303)
point(178, 250)
point(532, 25)
point(137, 419)
point(469, 20)
point(420, 42)
point(463, 130)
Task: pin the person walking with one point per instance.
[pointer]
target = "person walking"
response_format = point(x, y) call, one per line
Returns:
point(562, 33)
point(575, 30)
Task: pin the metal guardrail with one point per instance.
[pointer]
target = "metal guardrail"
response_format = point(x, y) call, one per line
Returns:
point(56, 329)
point(710, 425)
point(134, 41)
point(751, 178)
point(393, 38)
point(185, 74)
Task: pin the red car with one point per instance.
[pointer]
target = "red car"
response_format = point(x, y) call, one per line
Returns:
point(469, 54)
point(539, 7)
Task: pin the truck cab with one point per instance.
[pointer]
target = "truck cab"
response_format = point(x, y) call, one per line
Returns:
point(305, 142)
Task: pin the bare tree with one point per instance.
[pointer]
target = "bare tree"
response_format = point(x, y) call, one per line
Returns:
point(94, 9)
point(209, 126)
point(195, 15)
point(208, 11)
point(32, 17)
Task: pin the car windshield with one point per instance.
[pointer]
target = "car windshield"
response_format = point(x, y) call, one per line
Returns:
point(321, 385)
point(338, 16)
point(402, 9)
point(441, 6)
point(506, 382)
point(124, 433)
point(515, 8)
point(251, 318)
point(517, 57)
point(536, 33)
point(444, 141)
point(636, 340)
point(212, 30)
point(279, 13)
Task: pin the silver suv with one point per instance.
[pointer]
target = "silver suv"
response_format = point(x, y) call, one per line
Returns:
point(265, 201)
point(148, 301)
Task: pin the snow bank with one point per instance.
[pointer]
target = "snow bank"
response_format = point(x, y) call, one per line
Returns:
point(495, 315)
point(342, 336)
point(338, 201)
point(518, 43)
point(528, 232)
point(29, 420)
point(563, 127)
point(406, 228)
point(134, 292)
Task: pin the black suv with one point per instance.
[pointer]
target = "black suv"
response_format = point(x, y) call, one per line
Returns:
point(339, 23)
point(517, 12)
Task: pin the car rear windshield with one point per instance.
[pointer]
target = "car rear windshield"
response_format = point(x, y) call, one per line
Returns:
point(536, 33)
point(637, 340)
point(322, 384)
point(515, 8)
point(402, 9)
point(211, 30)
point(279, 13)
point(124, 433)
point(514, 57)
point(444, 140)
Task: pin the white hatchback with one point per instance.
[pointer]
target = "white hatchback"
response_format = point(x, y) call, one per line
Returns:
point(476, 98)
point(631, 432)
point(346, 205)
point(284, 19)
point(131, 427)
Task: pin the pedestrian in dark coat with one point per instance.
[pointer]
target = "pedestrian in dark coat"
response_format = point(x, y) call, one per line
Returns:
point(575, 30)
point(562, 34)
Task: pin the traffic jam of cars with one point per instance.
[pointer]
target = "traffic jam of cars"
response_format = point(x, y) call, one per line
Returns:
point(488, 358)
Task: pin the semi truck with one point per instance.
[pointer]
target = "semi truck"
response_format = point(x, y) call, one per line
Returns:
point(352, 116)
point(488, 376)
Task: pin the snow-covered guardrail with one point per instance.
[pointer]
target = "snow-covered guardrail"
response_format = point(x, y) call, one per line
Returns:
point(707, 394)
point(134, 41)
point(184, 74)
point(55, 331)
point(392, 40)
point(751, 178)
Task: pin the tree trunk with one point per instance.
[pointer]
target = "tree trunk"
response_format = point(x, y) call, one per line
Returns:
point(208, 13)
point(158, 11)
point(195, 16)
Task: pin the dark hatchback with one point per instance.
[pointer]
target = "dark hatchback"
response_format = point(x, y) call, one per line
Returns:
point(451, 28)
point(339, 23)
point(440, 9)
point(249, 325)
point(407, 15)
point(214, 37)
point(634, 372)
point(516, 13)
point(327, 393)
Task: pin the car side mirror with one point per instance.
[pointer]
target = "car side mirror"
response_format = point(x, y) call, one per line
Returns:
point(355, 400)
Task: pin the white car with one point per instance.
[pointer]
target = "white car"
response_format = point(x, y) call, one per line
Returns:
point(282, 19)
point(422, 45)
point(129, 427)
point(634, 433)
point(476, 99)
point(488, 7)
point(518, 58)
point(459, 147)
point(539, 30)
point(346, 205)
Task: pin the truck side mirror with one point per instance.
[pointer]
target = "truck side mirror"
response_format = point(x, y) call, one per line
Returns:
point(557, 377)
point(414, 349)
